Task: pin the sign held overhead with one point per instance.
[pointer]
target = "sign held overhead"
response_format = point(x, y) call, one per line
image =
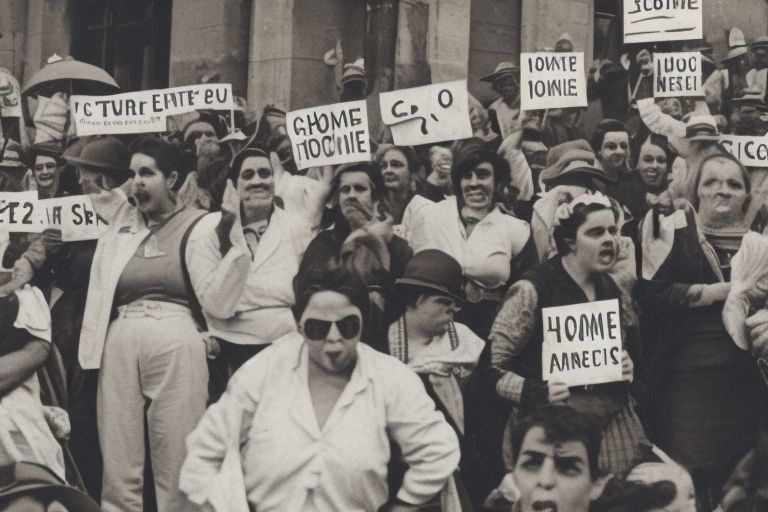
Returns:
point(677, 74)
point(750, 151)
point(552, 80)
point(423, 115)
point(662, 20)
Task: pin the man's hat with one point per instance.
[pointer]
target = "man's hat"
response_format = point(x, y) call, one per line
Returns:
point(502, 69)
point(761, 41)
point(435, 270)
point(751, 96)
point(353, 71)
point(702, 128)
point(735, 53)
point(49, 149)
point(572, 158)
point(12, 156)
point(24, 478)
point(104, 154)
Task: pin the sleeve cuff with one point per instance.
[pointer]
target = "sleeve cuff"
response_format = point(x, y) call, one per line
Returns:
point(510, 387)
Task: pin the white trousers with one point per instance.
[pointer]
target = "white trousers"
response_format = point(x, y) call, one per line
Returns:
point(155, 361)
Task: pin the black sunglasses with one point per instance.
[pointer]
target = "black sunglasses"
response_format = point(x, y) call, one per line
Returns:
point(317, 330)
point(249, 173)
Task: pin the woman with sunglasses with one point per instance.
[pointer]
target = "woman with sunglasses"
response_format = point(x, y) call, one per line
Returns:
point(307, 423)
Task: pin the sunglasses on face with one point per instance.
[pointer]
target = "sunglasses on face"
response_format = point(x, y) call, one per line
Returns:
point(263, 173)
point(317, 330)
point(47, 165)
point(193, 136)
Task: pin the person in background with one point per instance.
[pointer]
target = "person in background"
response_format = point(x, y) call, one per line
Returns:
point(439, 168)
point(241, 261)
point(505, 111)
point(654, 167)
point(758, 53)
point(47, 166)
point(555, 452)
point(151, 352)
point(320, 384)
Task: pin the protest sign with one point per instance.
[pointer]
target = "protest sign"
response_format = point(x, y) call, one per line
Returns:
point(750, 151)
point(552, 80)
point(330, 134)
point(423, 115)
point(662, 20)
point(20, 212)
point(144, 111)
point(74, 216)
point(677, 74)
point(582, 343)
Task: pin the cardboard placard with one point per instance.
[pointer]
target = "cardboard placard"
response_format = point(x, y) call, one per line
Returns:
point(662, 20)
point(552, 80)
point(582, 343)
point(330, 134)
point(74, 216)
point(750, 151)
point(677, 74)
point(423, 115)
point(20, 212)
point(144, 111)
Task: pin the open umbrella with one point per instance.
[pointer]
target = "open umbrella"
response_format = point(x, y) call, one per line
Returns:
point(66, 75)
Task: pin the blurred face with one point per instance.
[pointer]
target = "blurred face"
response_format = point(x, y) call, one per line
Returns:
point(553, 477)
point(745, 120)
point(652, 165)
point(596, 245)
point(395, 171)
point(508, 87)
point(673, 108)
point(613, 152)
point(722, 192)
point(477, 186)
point(197, 130)
point(11, 179)
point(93, 182)
point(760, 57)
point(256, 182)
point(439, 309)
point(355, 193)
point(331, 327)
point(151, 189)
point(441, 160)
point(46, 172)
point(475, 119)
point(564, 46)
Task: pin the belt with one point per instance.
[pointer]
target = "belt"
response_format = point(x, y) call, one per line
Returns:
point(152, 308)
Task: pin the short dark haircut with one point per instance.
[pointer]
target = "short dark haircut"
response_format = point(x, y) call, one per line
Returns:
point(330, 277)
point(561, 423)
point(606, 126)
point(237, 162)
point(414, 164)
point(371, 169)
point(471, 153)
point(166, 155)
point(566, 230)
point(728, 157)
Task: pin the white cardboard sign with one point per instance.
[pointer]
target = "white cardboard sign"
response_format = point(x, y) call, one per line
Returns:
point(552, 80)
point(750, 151)
point(144, 111)
point(330, 134)
point(677, 74)
point(74, 216)
point(582, 343)
point(423, 115)
point(662, 20)
point(20, 212)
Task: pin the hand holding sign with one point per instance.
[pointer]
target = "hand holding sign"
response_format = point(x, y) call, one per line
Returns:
point(423, 115)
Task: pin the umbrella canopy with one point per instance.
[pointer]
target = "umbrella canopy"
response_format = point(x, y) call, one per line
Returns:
point(87, 76)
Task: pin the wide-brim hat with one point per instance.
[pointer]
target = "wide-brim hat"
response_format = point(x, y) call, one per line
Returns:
point(751, 96)
point(760, 41)
point(702, 128)
point(436, 271)
point(502, 69)
point(572, 158)
point(735, 53)
point(104, 154)
point(24, 478)
point(49, 149)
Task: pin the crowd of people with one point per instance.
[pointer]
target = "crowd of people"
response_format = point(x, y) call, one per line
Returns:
point(245, 335)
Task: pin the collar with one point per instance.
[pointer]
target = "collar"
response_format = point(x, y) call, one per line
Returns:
point(361, 375)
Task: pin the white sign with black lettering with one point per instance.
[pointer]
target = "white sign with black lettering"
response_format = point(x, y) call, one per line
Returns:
point(428, 114)
point(329, 135)
point(662, 20)
point(552, 80)
point(19, 212)
point(74, 216)
point(145, 111)
point(751, 151)
point(582, 343)
point(677, 74)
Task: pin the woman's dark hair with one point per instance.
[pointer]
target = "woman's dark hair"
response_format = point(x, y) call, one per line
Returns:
point(166, 155)
point(728, 158)
point(566, 231)
point(605, 126)
point(560, 424)
point(333, 278)
point(414, 164)
point(470, 153)
point(653, 139)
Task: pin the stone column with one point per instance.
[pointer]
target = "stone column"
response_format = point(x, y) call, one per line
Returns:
point(544, 20)
point(48, 31)
point(448, 45)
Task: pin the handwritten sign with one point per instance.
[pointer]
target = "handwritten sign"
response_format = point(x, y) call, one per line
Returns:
point(74, 216)
point(582, 343)
point(677, 74)
point(552, 80)
point(750, 151)
point(331, 134)
point(423, 115)
point(144, 111)
point(662, 20)
point(19, 212)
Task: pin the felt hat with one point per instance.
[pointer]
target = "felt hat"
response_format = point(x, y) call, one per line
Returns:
point(702, 128)
point(502, 69)
point(353, 71)
point(435, 270)
point(735, 53)
point(24, 478)
point(104, 154)
point(571, 158)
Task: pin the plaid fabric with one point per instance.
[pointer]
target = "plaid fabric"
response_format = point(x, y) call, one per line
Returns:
point(622, 438)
